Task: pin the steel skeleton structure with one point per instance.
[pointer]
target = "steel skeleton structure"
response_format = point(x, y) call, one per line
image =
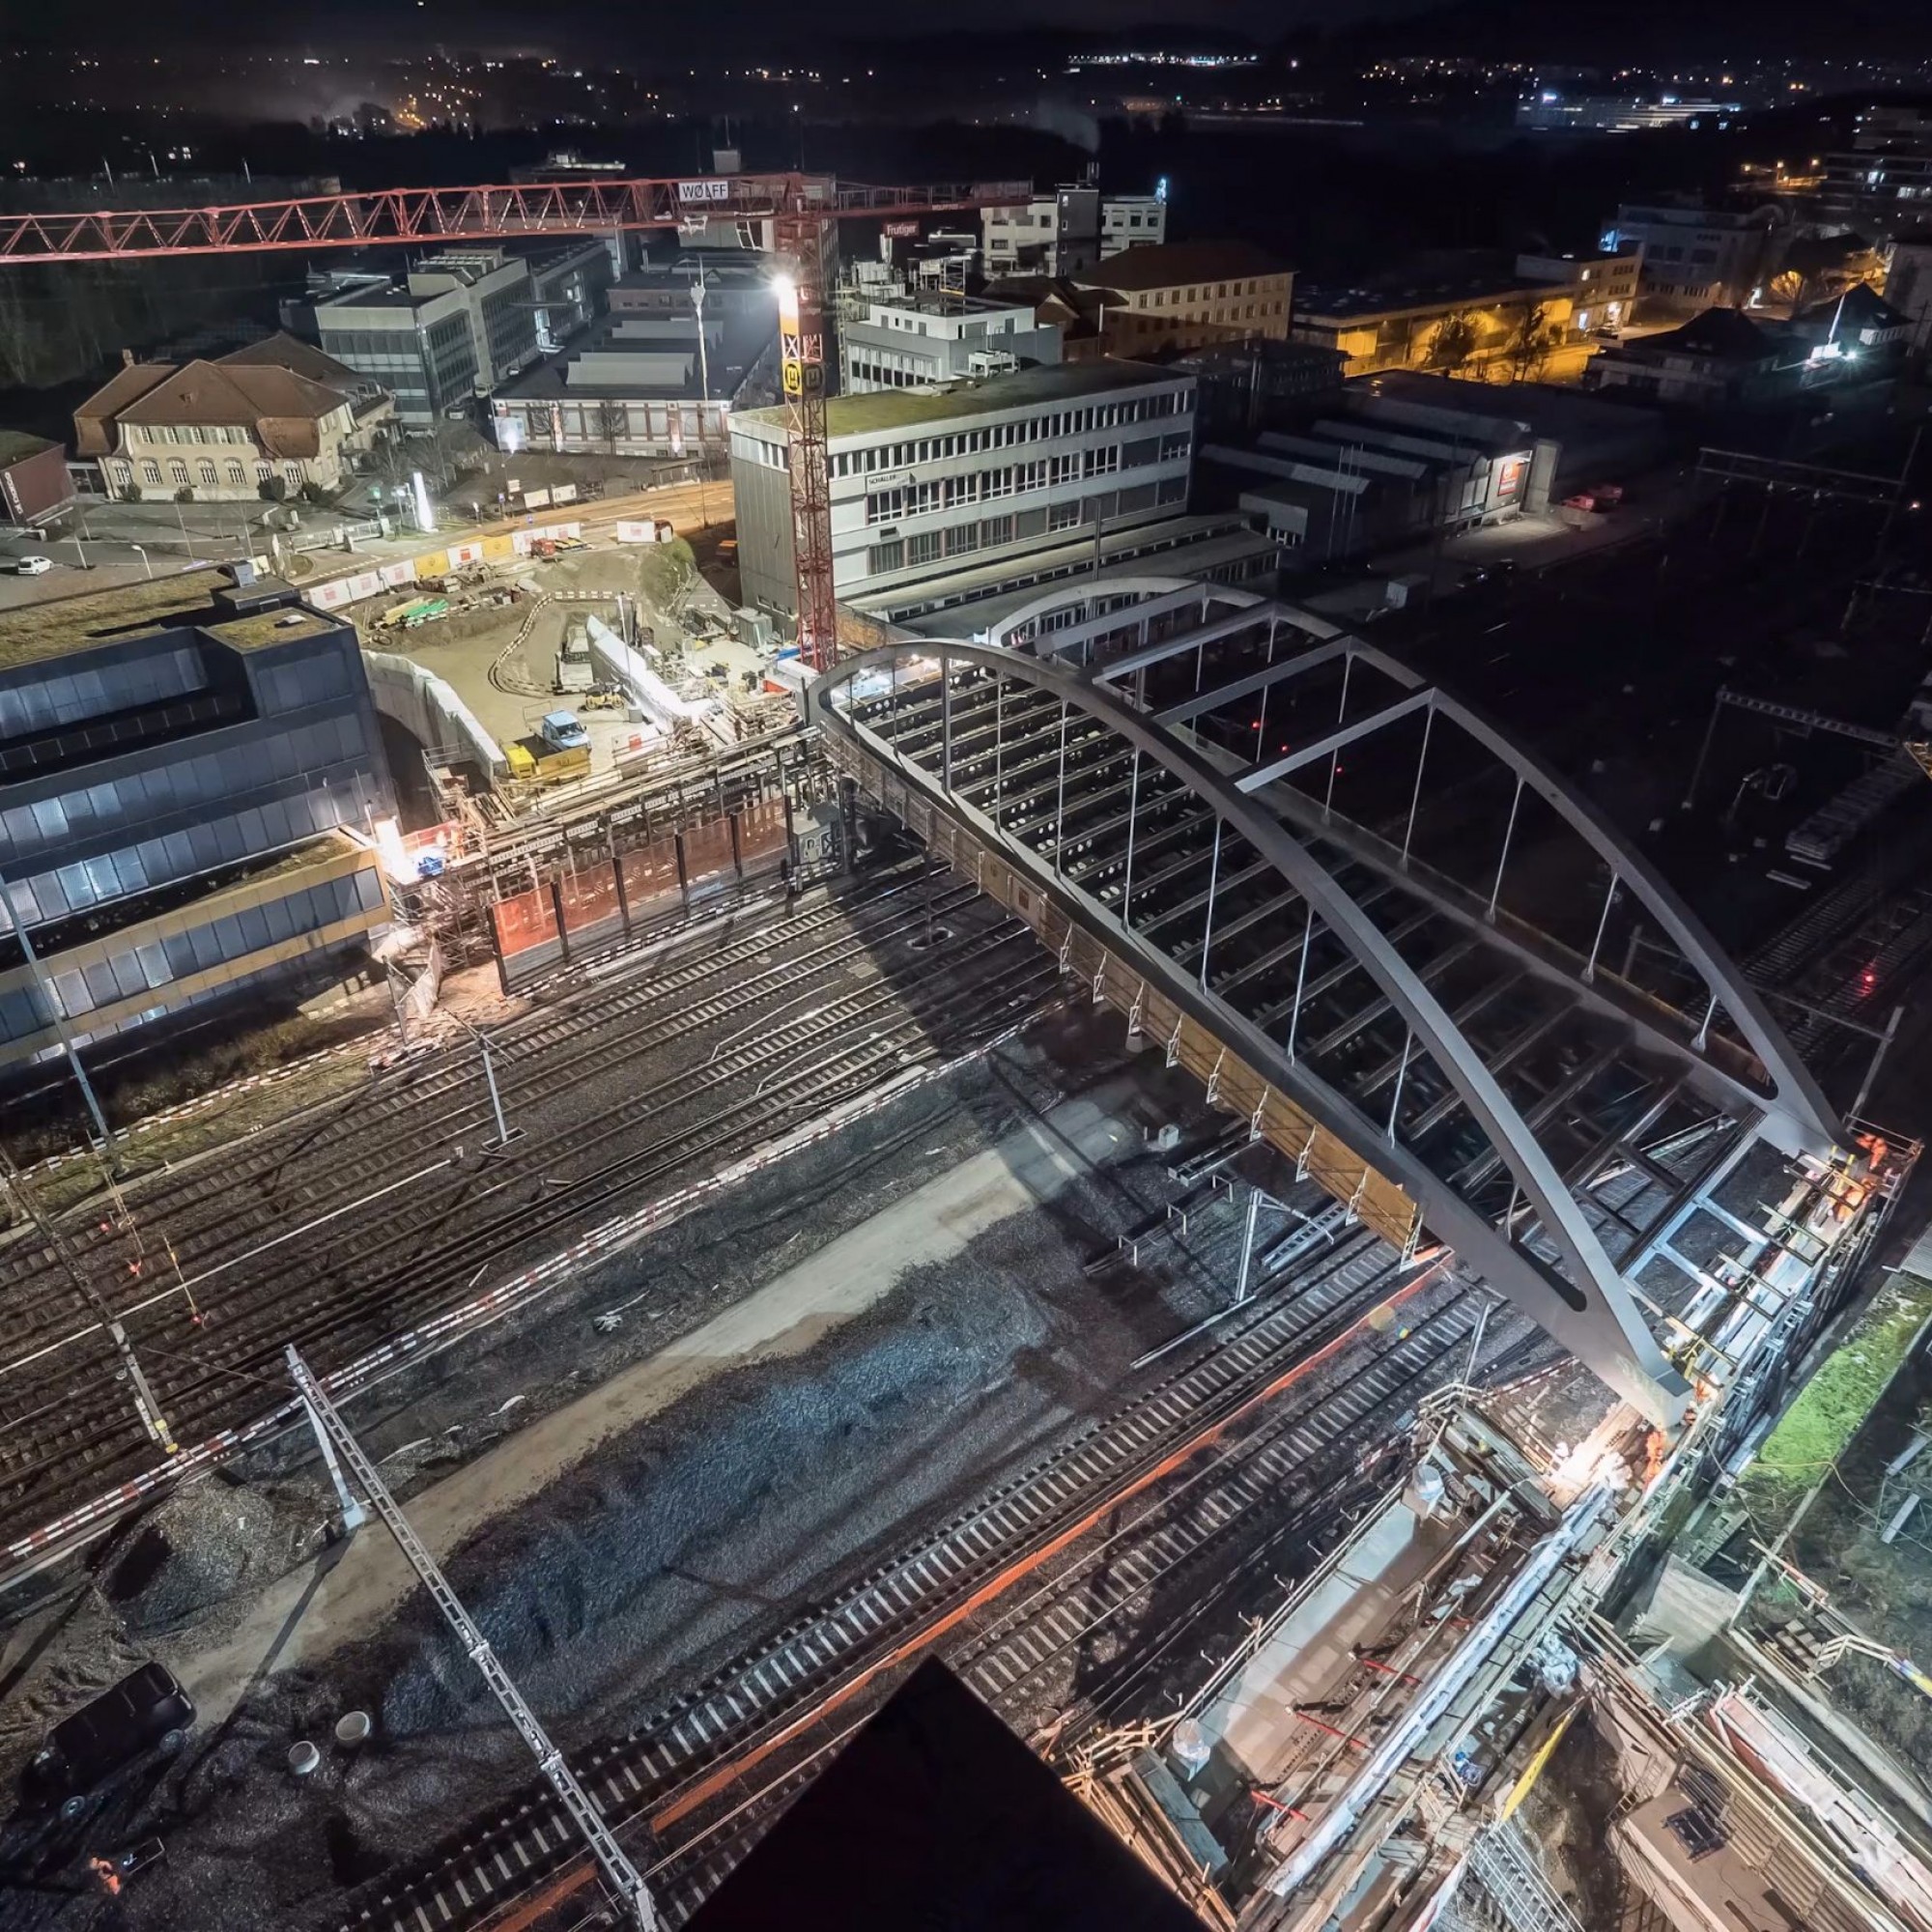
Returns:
point(1555, 1118)
point(441, 214)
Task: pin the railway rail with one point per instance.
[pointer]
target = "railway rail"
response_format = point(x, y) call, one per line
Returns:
point(1300, 1481)
point(1186, 1445)
point(69, 1428)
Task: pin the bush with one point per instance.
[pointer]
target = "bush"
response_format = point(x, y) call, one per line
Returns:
point(186, 494)
point(272, 490)
point(130, 492)
point(667, 573)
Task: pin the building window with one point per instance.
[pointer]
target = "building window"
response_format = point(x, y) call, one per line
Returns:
point(237, 474)
point(263, 473)
point(293, 474)
point(178, 472)
point(1063, 517)
point(151, 472)
point(208, 474)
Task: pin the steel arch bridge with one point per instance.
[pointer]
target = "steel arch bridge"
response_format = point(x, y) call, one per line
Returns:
point(1416, 938)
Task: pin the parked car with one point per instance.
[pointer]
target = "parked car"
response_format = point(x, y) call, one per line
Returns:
point(32, 566)
point(146, 1709)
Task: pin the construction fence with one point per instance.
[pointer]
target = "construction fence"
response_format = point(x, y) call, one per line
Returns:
point(595, 905)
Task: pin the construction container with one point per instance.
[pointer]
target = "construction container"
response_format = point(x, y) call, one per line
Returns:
point(534, 759)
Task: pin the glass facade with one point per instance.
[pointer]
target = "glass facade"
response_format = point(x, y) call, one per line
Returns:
point(137, 770)
point(91, 982)
point(297, 754)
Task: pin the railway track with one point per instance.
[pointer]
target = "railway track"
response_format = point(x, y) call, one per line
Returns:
point(71, 1428)
point(534, 1055)
point(704, 1743)
point(1294, 1479)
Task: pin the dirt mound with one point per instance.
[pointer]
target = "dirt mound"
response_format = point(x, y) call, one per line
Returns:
point(196, 1550)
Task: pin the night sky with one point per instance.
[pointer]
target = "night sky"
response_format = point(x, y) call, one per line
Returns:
point(587, 24)
point(730, 31)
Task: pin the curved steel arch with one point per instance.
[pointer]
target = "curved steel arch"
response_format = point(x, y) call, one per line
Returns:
point(1591, 1309)
point(1797, 1117)
point(1796, 1095)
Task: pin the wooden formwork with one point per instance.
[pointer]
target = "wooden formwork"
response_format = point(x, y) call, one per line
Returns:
point(1231, 1082)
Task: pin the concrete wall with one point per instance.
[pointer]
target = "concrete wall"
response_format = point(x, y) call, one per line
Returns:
point(766, 572)
point(429, 709)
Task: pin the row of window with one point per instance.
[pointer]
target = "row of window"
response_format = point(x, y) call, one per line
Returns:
point(205, 474)
point(181, 784)
point(181, 855)
point(929, 547)
point(1229, 311)
point(188, 433)
point(139, 969)
point(887, 378)
point(1018, 480)
point(934, 545)
point(1049, 427)
point(67, 696)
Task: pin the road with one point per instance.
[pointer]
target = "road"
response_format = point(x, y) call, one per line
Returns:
point(120, 544)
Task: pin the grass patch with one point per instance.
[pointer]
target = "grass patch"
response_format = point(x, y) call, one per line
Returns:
point(1815, 1430)
point(148, 1149)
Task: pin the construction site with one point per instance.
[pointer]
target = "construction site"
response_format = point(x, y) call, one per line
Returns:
point(1164, 1210)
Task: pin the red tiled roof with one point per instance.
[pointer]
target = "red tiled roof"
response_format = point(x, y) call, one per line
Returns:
point(1180, 264)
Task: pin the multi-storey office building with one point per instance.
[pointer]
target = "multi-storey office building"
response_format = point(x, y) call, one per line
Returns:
point(175, 762)
point(462, 324)
point(915, 342)
point(987, 469)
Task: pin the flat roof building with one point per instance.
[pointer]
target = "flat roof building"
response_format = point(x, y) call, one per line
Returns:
point(919, 342)
point(35, 485)
point(645, 381)
point(921, 481)
point(175, 761)
point(463, 323)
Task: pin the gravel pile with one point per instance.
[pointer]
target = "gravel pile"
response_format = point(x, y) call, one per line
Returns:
point(196, 1549)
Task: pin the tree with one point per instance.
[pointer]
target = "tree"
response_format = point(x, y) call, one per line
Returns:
point(1453, 343)
point(613, 422)
point(186, 494)
point(272, 490)
point(1533, 341)
point(667, 575)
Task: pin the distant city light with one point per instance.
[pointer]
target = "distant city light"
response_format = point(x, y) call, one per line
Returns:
point(1165, 60)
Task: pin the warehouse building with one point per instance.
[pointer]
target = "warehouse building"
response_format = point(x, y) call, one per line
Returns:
point(1390, 459)
point(190, 780)
point(920, 482)
point(35, 485)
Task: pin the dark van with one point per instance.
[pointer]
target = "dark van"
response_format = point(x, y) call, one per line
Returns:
point(147, 1707)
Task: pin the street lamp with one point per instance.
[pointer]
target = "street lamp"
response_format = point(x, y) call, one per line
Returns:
point(703, 390)
point(145, 559)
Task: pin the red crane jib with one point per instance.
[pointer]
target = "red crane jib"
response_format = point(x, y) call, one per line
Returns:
point(434, 214)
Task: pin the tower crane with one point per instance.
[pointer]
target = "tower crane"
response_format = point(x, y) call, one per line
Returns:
point(802, 209)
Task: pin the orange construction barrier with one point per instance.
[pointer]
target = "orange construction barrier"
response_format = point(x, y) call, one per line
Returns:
point(527, 920)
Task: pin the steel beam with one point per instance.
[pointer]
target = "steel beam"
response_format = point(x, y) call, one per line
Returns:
point(1259, 775)
point(1587, 1305)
